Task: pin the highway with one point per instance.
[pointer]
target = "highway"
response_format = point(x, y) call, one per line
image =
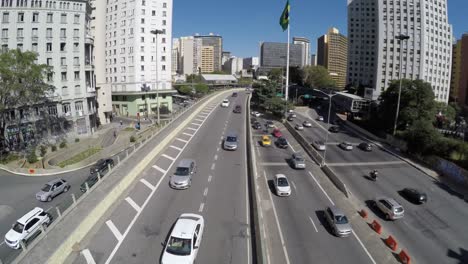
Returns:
point(435, 232)
point(134, 231)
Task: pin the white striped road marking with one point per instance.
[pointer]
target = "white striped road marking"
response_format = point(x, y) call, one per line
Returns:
point(365, 249)
point(221, 141)
point(222, 137)
point(200, 120)
point(216, 157)
point(191, 128)
point(3, 242)
point(205, 192)
point(133, 204)
point(365, 163)
point(209, 178)
point(291, 147)
point(316, 230)
point(114, 230)
point(213, 166)
point(195, 124)
point(187, 134)
point(203, 116)
point(149, 185)
point(182, 140)
point(202, 205)
point(217, 149)
point(159, 169)
point(294, 185)
point(174, 147)
point(265, 164)
point(167, 157)
point(321, 188)
point(88, 257)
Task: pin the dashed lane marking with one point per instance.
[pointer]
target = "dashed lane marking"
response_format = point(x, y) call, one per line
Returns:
point(209, 178)
point(397, 162)
point(213, 166)
point(174, 147)
point(167, 157)
point(149, 185)
point(182, 140)
point(191, 128)
point(195, 124)
point(294, 185)
point(187, 134)
point(291, 147)
point(312, 221)
point(202, 205)
point(159, 169)
point(133, 204)
point(88, 257)
point(205, 192)
point(310, 173)
point(266, 164)
point(216, 157)
point(365, 249)
point(217, 149)
point(114, 230)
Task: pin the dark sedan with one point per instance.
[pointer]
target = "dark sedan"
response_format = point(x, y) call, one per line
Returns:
point(365, 146)
point(101, 166)
point(282, 143)
point(414, 195)
point(257, 125)
point(334, 129)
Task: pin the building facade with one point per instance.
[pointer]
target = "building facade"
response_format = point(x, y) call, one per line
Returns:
point(138, 62)
point(225, 56)
point(207, 61)
point(305, 43)
point(216, 42)
point(58, 31)
point(175, 55)
point(273, 55)
point(189, 49)
point(234, 66)
point(374, 53)
point(459, 82)
point(332, 53)
point(313, 60)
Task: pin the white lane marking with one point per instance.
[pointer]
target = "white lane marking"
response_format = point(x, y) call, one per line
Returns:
point(291, 147)
point(3, 242)
point(48, 209)
point(216, 157)
point(187, 134)
point(213, 166)
point(277, 220)
point(310, 173)
point(249, 243)
point(217, 149)
point(200, 120)
point(195, 124)
point(191, 128)
point(159, 169)
point(222, 137)
point(365, 249)
point(205, 192)
point(149, 185)
point(114, 230)
point(168, 157)
point(209, 178)
point(312, 221)
point(182, 140)
point(202, 205)
point(174, 147)
point(133, 204)
point(221, 141)
point(88, 257)
point(294, 185)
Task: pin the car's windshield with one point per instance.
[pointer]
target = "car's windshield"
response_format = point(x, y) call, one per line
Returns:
point(283, 182)
point(18, 227)
point(299, 158)
point(181, 171)
point(341, 219)
point(46, 188)
point(231, 139)
point(179, 246)
point(282, 140)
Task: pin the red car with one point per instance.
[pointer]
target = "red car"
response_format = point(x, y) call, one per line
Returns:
point(277, 133)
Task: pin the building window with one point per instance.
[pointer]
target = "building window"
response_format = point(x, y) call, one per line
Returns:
point(49, 61)
point(52, 109)
point(21, 17)
point(34, 32)
point(164, 5)
point(76, 33)
point(5, 33)
point(50, 18)
point(76, 47)
point(34, 47)
point(63, 33)
point(65, 91)
point(35, 17)
point(49, 33)
point(66, 109)
point(79, 106)
point(63, 18)
point(6, 17)
point(19, 34)
point(64, 76)
point(49, 47)
point(76, 19)
point(63, 61)
point(76, 61)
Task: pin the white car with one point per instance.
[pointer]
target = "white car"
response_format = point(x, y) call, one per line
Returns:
point(346, 146)
point(319, 145)
point(282, 186)
point(225, 103)
point(307, 124)
point(320, 118)
point(183, 243)
point(26, 227)
point(256, 114)
point(299, 127)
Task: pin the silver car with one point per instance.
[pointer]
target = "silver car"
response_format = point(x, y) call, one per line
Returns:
point(52, 189)
point(391, 208)
point(338, 221)
point(298, 161)
point(182, 178)
point(230, 142)
point(319, 145)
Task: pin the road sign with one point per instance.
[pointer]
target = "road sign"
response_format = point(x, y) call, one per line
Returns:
point(306, 96)
point(279, 94)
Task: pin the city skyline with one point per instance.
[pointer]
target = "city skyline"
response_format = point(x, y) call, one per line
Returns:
point(242, 37)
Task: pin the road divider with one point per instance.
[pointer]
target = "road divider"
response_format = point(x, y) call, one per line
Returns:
point(336, 180)
point(404, 257)
point(363, 214)
point(376, 226)
point(391, 243)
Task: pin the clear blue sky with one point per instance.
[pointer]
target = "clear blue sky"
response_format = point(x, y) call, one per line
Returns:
point(244, 23)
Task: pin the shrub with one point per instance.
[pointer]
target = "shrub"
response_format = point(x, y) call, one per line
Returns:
point(53, 148)
point(9, 158)
point(132, 139)
point(77, 140)
point(32, 157)
point(63, 144)
point(43, 150)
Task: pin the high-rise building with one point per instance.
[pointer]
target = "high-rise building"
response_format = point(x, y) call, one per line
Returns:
point(216, 42)
point(459, 82)
point(234, 66)
point(175, 56)
point(138, 62)
point(305, 43)
point(58, 31)
point(189, 49)
point(273, 55)
point(207, 62)
point(374, 53)
point(226, 55)
point(313, 60)
point(251, 63)
point(332, 53)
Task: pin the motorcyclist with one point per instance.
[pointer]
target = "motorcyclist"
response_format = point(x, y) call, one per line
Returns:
point(373, 174)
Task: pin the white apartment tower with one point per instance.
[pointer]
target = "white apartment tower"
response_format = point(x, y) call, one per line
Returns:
point(190, 55)
point(305, 49)
point(374, 53)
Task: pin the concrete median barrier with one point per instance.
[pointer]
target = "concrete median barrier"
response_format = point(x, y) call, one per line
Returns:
point(336, 181)
point(376, 226)
point(404, 257)
point(391, 243)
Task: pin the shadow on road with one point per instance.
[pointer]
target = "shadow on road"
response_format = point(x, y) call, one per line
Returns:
point(462, 257)
point(323, 222)
point(449, 190)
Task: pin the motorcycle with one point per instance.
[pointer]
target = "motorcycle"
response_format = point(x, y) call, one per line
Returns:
point(373, 175)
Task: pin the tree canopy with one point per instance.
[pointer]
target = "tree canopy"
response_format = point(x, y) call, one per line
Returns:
point(318, 77)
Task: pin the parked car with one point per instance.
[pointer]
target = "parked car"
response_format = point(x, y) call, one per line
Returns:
point(52, 189)
point(318, 145)
point(101, 166)
point(334, 129)
point(346, 146)
point(282, 143)
point(225, 103)
point(365, 146)
point(182, 177)
point(256, 114)
point(91, 181)
point(270, 124)
point(27, 227)
point(320, 118)
point(290, 118)
point(307, 124)
point(237, 109)
point(414, 195)
point(282, 187)
point(298, 161)
point(338, 221)
point(299, 127)
point(257, 125)
point(266, 141)
point(277, 133)
point(391, 208)
point(231, 141)
point(184, 241)
point(234, 94)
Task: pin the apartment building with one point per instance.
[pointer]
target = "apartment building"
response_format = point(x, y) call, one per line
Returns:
point(332, 53)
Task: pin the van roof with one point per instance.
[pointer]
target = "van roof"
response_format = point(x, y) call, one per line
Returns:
point(30, 214)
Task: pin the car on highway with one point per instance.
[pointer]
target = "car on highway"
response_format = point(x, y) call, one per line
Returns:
point(91, 180)
point(307, 124)
point(257, 125)
point(231, 141)
point(346, 146)
point(298, 161)
point(318, 145)
point(184, 241)
point(101, 166)
point(338, 221)
point(256, 114)
point(270, 124)
point(27, 227)
point(237, 109)
point(293, 115)
point(320, 118)
point(390, 208)
point(52, 189)
point(234, 94)
point(299, 127)
point(182, 177)
point(334, 129)
point(225, 103)
point(365, 146)
point(266, 141)
point(277, 133)
point(282, 187)
point(414, 195)
point(282, 143)
point(290, 118)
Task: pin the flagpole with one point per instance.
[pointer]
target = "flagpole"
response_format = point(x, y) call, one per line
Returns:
point(287, 72)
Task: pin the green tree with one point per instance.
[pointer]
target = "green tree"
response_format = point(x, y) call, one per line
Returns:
point(201, 88)
point(185, 89)
point(193, 78)
point(296, 75)
point(318, 77)
point(422, 138)
point(445, 114)
point(276, 75)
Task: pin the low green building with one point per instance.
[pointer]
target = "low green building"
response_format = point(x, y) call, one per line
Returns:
point(143, 103)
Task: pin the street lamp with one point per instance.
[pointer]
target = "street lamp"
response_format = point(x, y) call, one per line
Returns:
point(156, 32)
point(328, 122)
point(400, 37)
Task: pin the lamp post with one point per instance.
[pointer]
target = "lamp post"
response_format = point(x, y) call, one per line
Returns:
point(328, 122)
point(400, 37)
point(156, 32)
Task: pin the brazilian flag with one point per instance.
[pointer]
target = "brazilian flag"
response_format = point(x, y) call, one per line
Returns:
point(284, 19)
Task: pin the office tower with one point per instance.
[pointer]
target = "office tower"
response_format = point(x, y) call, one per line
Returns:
point(207, 62)
point(216, 42)
point(273, 55)
point(305, 43)
point(332, 53)
point(459, 83)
